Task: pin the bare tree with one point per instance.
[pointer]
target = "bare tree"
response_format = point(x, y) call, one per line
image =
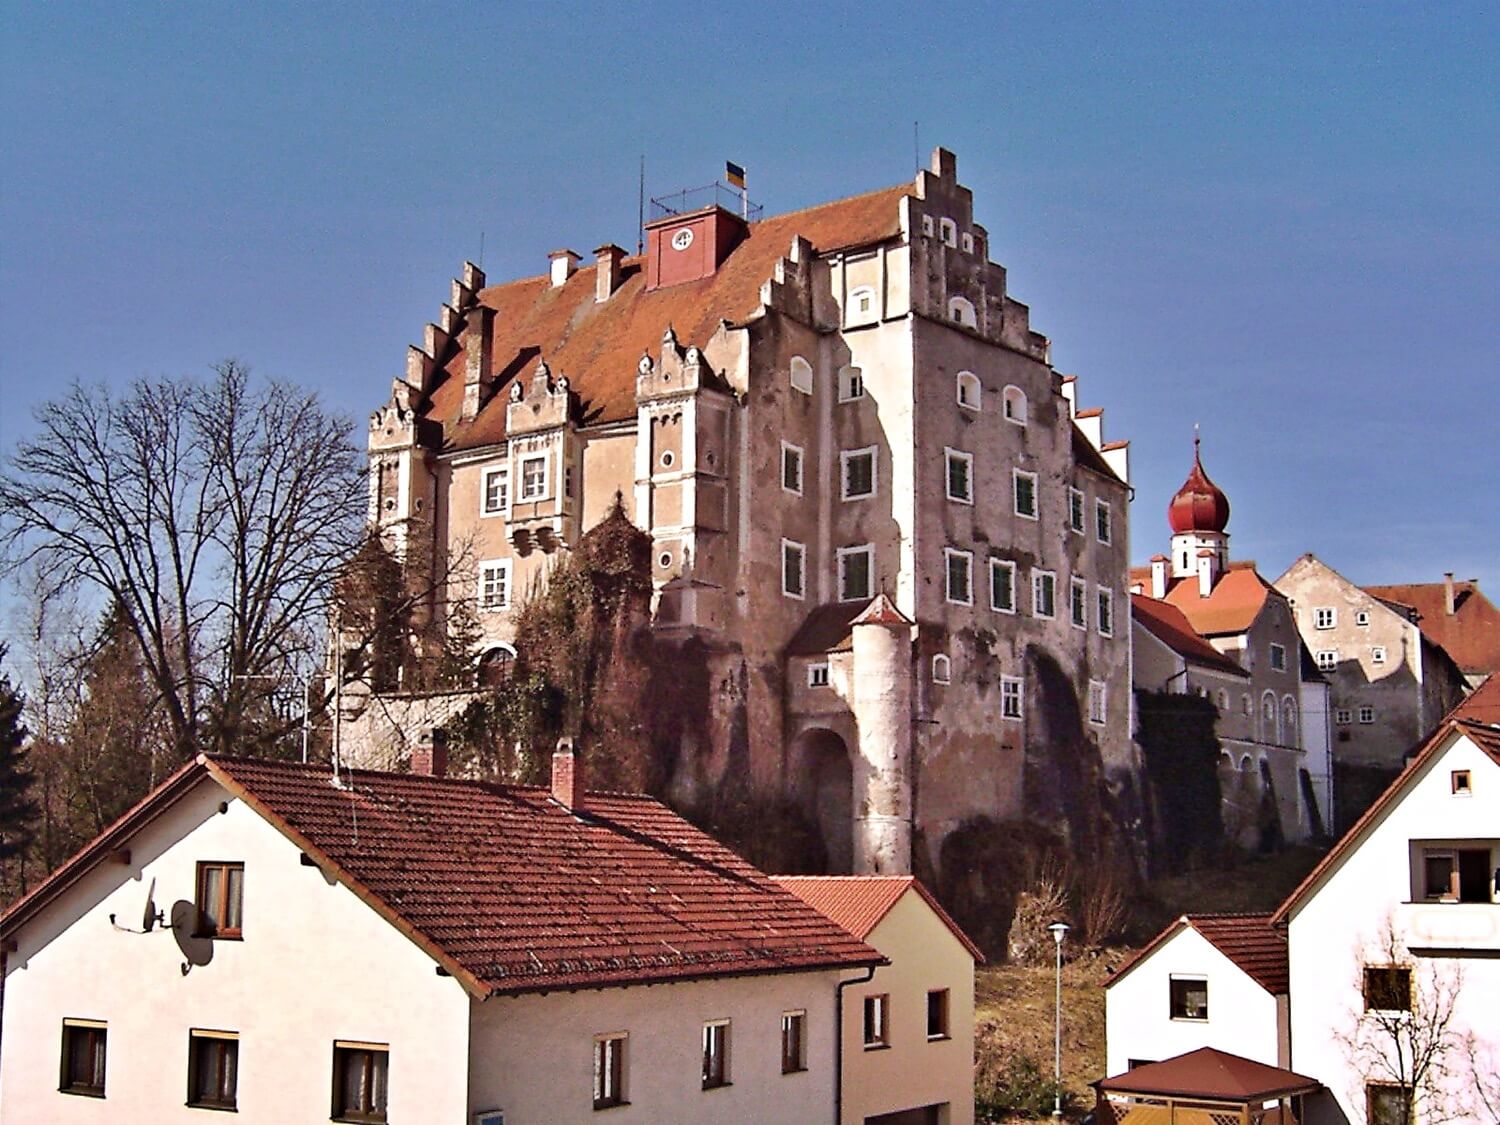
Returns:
point(214, 512)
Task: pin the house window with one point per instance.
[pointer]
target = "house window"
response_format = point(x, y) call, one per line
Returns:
point(1075, 510)
point(967, 242)
point(1362, 619)
point(1189, 998)
point(942, 669)
point(1377, 654)
point(1343, 716)
point(818, 674)
point(960, 476)
point(969, 391)
point(1096, 702)
point(851, 384)
point(609, 1070)
point(1024, 486)
point(800, 373)
point(1387, 1105)
point(949, 231)
point(1010, 697)
point(791, 468)
point(494, 585)
point(877, 1021)
point(715, 1054)
point(1325, 617)
point(862, 305)
point(1106, 610)
point(1002, 586)
point(793, 1042)
point(1328, 659)
point(1367, 715)
point(1078, 603)
point(1457, 874)
point(1278, 658)
point(1461, 783)
point(858, 473)
point(1014, 402)
point(221, 889)
point(1222, 700)
point(1387, 989)
point(84, 1045)
point(1103, 521)
point(360, 1075)
point(496, 490)
point(856, 570)
point(960, 571)
point(495, 665)
point(1043, 593)
point(961, 311)
point(937, 1013)
point(534, 477)
point(793, 569)
point(213, 1068)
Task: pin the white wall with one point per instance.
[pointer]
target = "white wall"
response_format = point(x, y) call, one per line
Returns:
point(1338, 929)
point(1242, 1016)
point(914, 1071)
point(315, 965)
point(533, 1055)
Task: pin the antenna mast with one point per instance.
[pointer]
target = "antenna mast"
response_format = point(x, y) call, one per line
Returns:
point(640, 211)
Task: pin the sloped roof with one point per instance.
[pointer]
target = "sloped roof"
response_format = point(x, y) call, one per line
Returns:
point(597, 344)
point(1212, 1074)
point(859, 902)
point(511, 892)
point(1471, 635)
point(1231, 607)
point(1482, 705)
point(1248, 940)
point(826, 628)
point(1169, 625)
point(1484, 735)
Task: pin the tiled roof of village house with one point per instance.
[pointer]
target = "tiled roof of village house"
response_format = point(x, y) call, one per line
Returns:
point(1482, 705)
point(858, 903)
point(1167, 624)
point(597, 345)
point(1246, 939)
point(511, 892)
point(1231, 607)
point(1471, 635)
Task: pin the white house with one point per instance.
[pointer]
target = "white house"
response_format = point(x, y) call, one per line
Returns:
point(416, 949)
point(908, 1031)
point(1207, 980)
point(1394, 945)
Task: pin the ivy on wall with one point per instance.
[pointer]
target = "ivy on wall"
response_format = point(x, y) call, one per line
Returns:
point(1177, 740)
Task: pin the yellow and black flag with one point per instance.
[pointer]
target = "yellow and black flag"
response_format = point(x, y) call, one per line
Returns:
point(734, 174)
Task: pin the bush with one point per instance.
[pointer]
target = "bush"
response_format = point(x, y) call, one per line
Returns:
point(1016, 1086)
point(1037, 908)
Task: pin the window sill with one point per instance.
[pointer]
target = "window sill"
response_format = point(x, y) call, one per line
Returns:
point(939, 1038)
point(82, 1091)
point(716, 1086)
point(600, 1107)
point(794, 1070)
point(1189, 1019)
point(877, 1046)
point(212, 1106)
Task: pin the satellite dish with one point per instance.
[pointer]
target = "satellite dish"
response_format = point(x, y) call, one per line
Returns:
point(150, 916)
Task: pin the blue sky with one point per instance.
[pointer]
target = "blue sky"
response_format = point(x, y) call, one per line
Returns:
point(1279, 221)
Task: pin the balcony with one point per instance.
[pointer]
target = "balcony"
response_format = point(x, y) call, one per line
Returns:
point(1457, 928)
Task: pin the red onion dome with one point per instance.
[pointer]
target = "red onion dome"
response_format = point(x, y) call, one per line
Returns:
point(1200, 505)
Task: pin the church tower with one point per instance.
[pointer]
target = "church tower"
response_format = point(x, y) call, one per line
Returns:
point(1198, 515)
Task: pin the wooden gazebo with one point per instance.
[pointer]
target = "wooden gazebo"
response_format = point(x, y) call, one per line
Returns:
point(1203, 1087)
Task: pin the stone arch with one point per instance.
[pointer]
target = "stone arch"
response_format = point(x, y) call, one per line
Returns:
point(822, 777)
point(495, 665)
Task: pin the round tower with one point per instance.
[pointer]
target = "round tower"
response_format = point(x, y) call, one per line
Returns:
point(882, 692)
point(1198, 515)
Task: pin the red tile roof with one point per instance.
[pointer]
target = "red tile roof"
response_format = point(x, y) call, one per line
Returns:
point(1471, 635)
point(1212, 1074)
point(1231, 607)
point(511, 892)
point(1482, 705)
point(598, 344)
point(1246, 939)
point(1169, 625)
point(859, 902)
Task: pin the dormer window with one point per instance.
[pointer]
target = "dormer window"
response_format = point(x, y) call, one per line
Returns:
point(1014, 399)
point(961, 311)
point(969, 390)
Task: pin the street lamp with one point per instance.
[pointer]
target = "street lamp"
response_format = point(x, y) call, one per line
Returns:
point(1057, 930)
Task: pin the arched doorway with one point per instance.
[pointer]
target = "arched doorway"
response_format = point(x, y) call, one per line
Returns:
point(823, 781)
point(495, 665)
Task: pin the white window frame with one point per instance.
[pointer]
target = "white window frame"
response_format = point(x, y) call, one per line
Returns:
point(927, 226)
point(966, 241)
point(843, 553)
point(521, 464)
point(847, 455)
point(950, 456)
point(942, 668)
point(505, 567)
point(819, 674)
point(606, 1096)
point(1013, 405)
point(967, 379)
point(485, 477)
point(854, 315)
point(800, 375)
point(961, 311)
point(851, 383)
point(1362, 619)
point(949, 554)
point(788, 546)
point(1098, 702)
point(1278, 657)
point(1076, 506)
point(1016, 475)
point(1104, 520)
point(1104, 611)
point(1012, 698)
point(796, 450)
point(1366, 715)
point(1327, 659)
point(1078, 603)
point(1037, 578)
point(1377, 654)
point(948, 230)
point(726, 1054)
point(1010, 570)
point(1325, 617)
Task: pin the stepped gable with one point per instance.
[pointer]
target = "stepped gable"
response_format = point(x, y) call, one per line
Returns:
point(597, 344)
point(1169, 625)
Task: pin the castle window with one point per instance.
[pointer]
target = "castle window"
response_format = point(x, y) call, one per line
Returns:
point(534, 477)
point(927, 226)
point(961, 311)
point(495, 492)
point(861, 308)
point(857, 469)
point(856, 571)
point(851, 384)
point(1023, 485)
point(942, 669)
point(1105, 619)
point(1075, 510)
point(1002, 586)
point(494, 584)
point(967, 242)
point(1014, 400)
point(801, 375)
point(1325, 617)
point(1043, 593)
point(1010, 697)
point(1377, 654)
point(1103, 524)
point(1343, 716)
point(949, 231)
point(1278, 657)
point(1288, 721)
point(959, 566)
point(1222, 701)
point(1367, 715)
point(1078, 596)
point(495, 665)
point(1096, 702)
point(818, 674)
point(1245, 705)
point(791, 468)
point(609, 1070)
point(1328, 659)
point(793, 569)
point(1268, 717)
point(970, 392)
point(960, 476)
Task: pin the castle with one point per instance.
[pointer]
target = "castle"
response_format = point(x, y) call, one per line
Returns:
point(874, 506)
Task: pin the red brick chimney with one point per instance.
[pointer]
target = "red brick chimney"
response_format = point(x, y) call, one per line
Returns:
point(430, 757)
point(567, 775)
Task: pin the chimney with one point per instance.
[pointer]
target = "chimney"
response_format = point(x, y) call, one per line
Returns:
point(564, 262)
point(430, 758)
point(1205, 573)
point(607, 273)
point(1158, 576)
point(567, 775)
point(1448, 598)
point(478, 342)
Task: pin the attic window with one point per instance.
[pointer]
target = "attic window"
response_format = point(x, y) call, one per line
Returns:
point(801, 375)
point(969, 390)
point(968, 243)
point(1015, 405)
point(861, 306)
point(949, 231)
point(1189, 998)
point(1362, 619)
point(1461, 782)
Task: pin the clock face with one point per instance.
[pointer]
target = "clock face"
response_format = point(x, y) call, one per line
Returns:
point(682, 239)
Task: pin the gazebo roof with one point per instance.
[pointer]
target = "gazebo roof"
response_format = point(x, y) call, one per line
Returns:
point(1211, 1075)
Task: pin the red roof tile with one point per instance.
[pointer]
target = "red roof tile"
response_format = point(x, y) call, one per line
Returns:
point(1169, 625)
point(859, 902)
point(1231, 607)
point(1483, 705)
point(1471, 635)
point(1213, 1074)
point(1246, 939)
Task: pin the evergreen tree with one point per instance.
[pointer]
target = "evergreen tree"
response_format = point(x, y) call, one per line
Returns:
point(18, 809)
point(456, 664)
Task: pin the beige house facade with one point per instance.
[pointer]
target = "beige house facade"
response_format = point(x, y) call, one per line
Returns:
point(877, 511)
